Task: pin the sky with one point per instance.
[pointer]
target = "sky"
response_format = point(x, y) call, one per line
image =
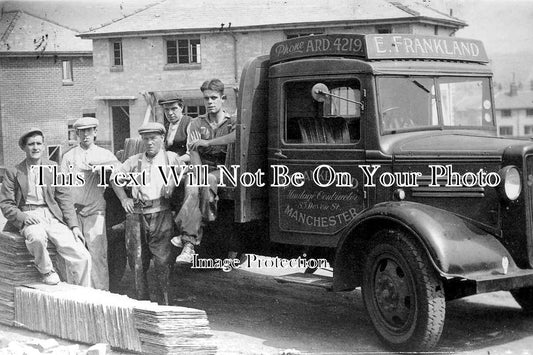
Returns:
point(504, 26)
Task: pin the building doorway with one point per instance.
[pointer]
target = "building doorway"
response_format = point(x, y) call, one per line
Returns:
point(120, 115)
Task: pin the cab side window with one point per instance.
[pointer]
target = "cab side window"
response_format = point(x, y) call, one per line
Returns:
point(334, 121)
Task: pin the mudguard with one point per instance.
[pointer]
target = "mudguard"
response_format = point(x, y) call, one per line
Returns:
point(456, 247)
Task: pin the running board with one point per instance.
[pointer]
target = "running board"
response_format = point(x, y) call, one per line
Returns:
point(307, 280)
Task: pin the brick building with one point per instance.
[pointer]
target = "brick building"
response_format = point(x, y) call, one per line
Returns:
point(175, 46)
point(46, 79)
point(514, 111)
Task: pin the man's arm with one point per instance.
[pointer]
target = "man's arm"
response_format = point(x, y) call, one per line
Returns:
point(8, 202)
point(125, 201)
point(222, 140)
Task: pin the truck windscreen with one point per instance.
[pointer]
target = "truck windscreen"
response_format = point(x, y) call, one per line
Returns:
point(418, 103)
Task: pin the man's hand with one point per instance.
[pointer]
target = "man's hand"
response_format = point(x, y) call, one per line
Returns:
point(197, 141)
point(31, 220)
point(127, 204)
point(78, 235)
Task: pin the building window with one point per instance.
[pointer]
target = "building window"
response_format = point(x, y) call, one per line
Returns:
point(194, 111)
point(528, 130)
point(54, 153)
point(383, 29)
point(529, 111)
point(117, 56)
point(506, 131)
point(506, 113)
point(67, 72)
point(183, 51)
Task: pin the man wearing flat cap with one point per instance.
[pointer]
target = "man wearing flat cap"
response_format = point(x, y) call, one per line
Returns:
point(42, 213)
point(176, 137)
point(89, 199)
point(149, 223)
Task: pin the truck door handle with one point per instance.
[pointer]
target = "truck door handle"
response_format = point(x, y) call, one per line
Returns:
point(280, 155)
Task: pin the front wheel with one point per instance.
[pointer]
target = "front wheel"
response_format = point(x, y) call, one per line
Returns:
point(402, 294)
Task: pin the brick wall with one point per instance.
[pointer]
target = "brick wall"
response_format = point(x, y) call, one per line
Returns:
point(32, 94)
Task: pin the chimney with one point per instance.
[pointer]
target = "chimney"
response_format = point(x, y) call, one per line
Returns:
point(531, 85)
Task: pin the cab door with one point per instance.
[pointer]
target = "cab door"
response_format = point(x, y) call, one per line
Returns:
point(316, 182)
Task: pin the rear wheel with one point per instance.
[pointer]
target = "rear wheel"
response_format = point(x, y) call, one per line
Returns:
point(524, 297)
point(402, 293)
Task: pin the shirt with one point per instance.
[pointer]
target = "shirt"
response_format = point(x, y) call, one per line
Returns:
point(215, 154)
point(154, 180)
point(88, 198)
point(35, 193)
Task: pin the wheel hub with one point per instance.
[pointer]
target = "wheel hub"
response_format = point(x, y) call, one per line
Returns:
point(392, 293)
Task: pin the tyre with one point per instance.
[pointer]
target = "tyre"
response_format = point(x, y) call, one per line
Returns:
point(524, 297)
point(403, 295)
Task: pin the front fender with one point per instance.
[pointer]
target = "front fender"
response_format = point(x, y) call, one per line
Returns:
point(455, 246)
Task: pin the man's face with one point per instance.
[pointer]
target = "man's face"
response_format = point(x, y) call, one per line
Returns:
point(213, 101)
point(173, 112)
point(34, 147)
point(87, 136)
point(152, 143)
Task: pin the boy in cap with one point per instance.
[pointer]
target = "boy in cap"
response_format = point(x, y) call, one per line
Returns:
point(42, 213)
point(149, 224)
point(176, 137)
point(89, 199)
point(208, 138)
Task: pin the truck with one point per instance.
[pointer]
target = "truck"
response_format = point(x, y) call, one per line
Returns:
point(381, 155)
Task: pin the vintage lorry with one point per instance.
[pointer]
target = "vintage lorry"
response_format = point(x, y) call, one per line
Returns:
point(381, 154)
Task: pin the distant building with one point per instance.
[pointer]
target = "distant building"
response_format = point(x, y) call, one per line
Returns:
point(46, 80)
point(175, 46)
point(514, 111)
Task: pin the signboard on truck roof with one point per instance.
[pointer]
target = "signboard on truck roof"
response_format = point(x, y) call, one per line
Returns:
point(381, 47)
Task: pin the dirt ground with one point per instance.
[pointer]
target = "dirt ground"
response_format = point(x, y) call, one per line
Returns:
point(251, 313)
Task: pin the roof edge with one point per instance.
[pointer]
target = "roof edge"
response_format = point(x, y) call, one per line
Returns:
point(206, 30)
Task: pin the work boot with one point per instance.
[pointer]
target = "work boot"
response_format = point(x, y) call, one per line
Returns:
point(51, 278)
point(186, 256)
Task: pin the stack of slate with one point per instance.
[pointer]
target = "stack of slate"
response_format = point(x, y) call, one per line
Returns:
point(173, 330)
point(95, 316)
point(16, 268)
point(78, 313)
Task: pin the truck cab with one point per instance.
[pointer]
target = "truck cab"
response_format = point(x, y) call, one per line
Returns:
point(382, 156)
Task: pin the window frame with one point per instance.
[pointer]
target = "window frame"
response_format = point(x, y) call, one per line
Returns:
point(113, 57)
point(504, 134)
point(357, 120)
point(67, 73)
point(506, 113)
point(191, 54)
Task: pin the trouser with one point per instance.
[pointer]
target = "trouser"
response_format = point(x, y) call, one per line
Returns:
point(148, 235)
point(199, 207)
point(94, 231)
point(77, 258)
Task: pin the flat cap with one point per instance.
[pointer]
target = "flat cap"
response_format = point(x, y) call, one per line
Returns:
point(170, 99)
point(152, 127)
point(27, 133)
point(85, 122)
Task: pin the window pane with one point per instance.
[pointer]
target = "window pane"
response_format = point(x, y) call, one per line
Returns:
point(331, 121)
point(67, 70)
point(195, 51)
point(465, 102)
point(183, 51)
point(117, 53)
point(172, 53)
point(407, 103)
